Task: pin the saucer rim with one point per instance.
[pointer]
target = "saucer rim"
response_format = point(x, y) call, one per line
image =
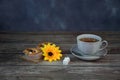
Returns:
point(88, 57)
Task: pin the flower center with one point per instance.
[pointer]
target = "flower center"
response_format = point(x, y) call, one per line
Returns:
point(50, 53)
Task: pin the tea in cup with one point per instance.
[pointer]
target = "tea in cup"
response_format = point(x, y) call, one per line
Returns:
point(90, 43)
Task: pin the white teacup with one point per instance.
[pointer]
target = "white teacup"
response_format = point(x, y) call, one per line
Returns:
point(90, 44)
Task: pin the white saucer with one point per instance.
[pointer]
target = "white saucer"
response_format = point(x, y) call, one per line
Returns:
point(77, 53)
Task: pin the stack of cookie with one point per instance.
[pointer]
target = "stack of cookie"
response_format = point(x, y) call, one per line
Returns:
point(34, 54)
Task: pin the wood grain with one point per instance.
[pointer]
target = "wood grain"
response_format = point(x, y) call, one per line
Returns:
point(19, 47)
point(17, 42)
point(65, 38)
point(16, 60)
point(59, 73)
point(12, 67)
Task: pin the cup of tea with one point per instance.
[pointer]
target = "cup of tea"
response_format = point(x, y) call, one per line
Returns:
point(90, 43)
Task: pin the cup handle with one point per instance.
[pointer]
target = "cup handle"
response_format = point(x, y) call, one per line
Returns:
point(104, 45)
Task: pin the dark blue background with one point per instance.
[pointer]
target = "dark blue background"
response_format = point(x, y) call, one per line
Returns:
point(60, 15)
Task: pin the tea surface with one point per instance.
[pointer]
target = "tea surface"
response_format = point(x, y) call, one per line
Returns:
point(88, 40)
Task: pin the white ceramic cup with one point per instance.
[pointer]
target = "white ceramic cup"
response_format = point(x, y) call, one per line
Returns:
point(91, 47)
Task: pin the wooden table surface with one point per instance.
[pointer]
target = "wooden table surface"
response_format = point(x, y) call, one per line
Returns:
point(12, 67)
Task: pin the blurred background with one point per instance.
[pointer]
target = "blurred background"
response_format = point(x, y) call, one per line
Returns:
point(59, 15)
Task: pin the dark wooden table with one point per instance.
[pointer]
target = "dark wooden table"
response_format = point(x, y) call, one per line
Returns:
point(12, 67)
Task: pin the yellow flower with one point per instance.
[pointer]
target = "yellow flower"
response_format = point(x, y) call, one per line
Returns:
point(51, 52)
